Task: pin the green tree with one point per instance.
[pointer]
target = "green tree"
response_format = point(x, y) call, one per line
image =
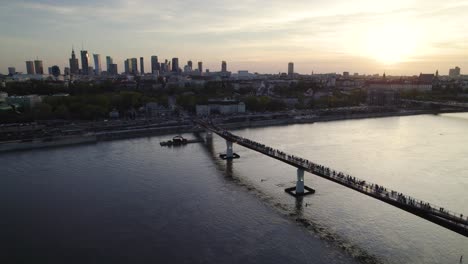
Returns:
point(42, 111)
point(62, 112)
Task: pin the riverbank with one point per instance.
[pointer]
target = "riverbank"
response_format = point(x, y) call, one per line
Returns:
point(165, 130)
point(47, 143)
point(327, 118)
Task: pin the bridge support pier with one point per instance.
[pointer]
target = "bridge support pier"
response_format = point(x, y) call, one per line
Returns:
point(300, 181)
point(300, 189)
point(229, 152)
point(209, 134)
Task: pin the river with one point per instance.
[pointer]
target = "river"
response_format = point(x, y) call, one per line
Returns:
point(132, 201)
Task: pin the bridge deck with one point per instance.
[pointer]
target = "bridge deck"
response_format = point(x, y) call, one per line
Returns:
point(444, 104)
point(436, 214)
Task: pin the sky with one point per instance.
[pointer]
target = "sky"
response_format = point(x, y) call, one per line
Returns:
point(399, 37)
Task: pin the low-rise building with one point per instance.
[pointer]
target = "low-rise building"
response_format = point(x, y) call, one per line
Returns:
point(114, 114)
point(153, 109)
point(26, 101)
point(3, 97)
point(423, 83)
point(225, 106)
point(383, 97)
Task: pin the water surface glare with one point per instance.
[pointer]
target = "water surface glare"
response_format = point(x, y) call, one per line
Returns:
point(422, 156)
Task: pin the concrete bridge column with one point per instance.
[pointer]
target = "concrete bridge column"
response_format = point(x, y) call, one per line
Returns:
point(229, 151)
point(209, 134)
point(300, 181)
point(300, 189)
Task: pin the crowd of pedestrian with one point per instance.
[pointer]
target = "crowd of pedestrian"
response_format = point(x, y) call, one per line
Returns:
point(345, 179)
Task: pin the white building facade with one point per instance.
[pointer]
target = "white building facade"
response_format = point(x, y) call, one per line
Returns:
point(220, 107)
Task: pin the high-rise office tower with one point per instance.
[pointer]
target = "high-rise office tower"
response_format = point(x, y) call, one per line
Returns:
point(55, 71)
point(127, 66)
point(190, 64)
point(223, 66)
point(167, 66)
point(109, 61)
point(84, 62)
point(112, 70)
point(66, 71)
point(11, 70)
point(200, 67)
point(175, 64)
point(291, 69)
point(30, 67)
point(97, 64)
point(134, 66)
point(142, 66)
point(155, 64)
point(74, 64)
point(39, 67)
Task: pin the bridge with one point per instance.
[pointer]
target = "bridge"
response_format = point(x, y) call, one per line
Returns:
point(436, 214)
point(435, 103)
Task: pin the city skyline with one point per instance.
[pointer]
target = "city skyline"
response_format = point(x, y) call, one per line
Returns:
point(398, 37)
point(222, 67)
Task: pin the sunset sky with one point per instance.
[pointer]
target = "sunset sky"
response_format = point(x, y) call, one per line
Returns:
point(365, 36)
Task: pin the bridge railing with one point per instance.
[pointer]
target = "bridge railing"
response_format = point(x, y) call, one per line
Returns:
point(346, 179)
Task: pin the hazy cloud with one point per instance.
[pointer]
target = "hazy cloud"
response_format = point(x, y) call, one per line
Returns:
point(275, 31)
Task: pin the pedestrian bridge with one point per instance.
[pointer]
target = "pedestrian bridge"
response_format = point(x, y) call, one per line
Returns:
point(458, 105)
point(439, 215)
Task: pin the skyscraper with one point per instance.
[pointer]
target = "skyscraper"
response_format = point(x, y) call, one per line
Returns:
point(190, 64)
point(223, 66)
point(55, 71)
point(74, 64)
point(84, 62)
point(134, 66)
point(11, 70)
point(127, 66)
point(200, 67)
point(155, 64)
point(161, 67)
point(175, 64)
point(112, 70)
point(109, 61)
point(39, 67)
point(291, 69)
point(167, 66)
point(142, 66)
point(30, 67)
point(97, 64)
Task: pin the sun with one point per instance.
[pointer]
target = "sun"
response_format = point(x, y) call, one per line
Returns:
point(392, 43)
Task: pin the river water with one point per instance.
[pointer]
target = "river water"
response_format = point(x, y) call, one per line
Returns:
point(132, 201)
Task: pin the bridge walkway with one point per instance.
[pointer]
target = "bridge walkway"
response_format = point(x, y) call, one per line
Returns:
point(436, 214)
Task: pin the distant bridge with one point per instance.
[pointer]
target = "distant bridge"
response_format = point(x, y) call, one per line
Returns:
point(436, 214)
point(435, 103)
